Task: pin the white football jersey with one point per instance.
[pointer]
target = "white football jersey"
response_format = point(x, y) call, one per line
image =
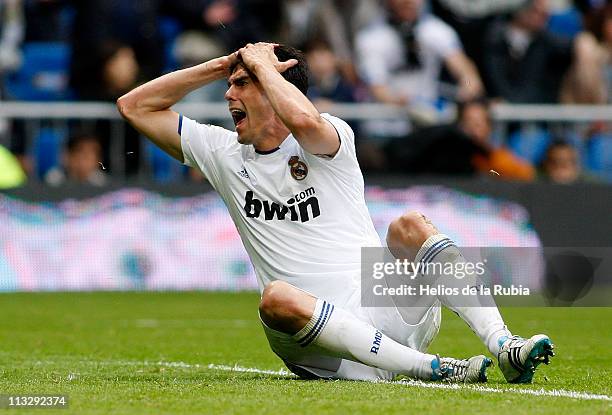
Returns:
point(302, 218)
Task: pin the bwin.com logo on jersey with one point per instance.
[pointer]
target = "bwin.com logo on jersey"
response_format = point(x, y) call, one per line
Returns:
point(301, 207)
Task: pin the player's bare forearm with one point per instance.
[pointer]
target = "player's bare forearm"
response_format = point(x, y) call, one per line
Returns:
point(315, 134)
point(165, 91)
point(293, 108)
point(147, 107)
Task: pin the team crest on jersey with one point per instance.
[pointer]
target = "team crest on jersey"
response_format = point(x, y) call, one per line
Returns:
point(299, 169)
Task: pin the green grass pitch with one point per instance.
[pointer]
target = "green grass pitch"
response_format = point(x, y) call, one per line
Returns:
point(144, 353)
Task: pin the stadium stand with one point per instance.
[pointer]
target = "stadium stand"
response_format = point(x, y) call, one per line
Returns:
point(47, 58)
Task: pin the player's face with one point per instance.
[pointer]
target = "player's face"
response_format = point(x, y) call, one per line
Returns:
point(249, 106)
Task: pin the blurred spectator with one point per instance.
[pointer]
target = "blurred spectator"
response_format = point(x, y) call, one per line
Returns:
point(335, 22)
point(227, 23)
point(47, 21)
point(327, 84)
point(474, 119)
point(226, 26)
point(436, 150)
point(11, 35)
point(465, 148)
point(327, 81)
point(400, 58)
point(341, 20)
point(135, 23)
point(194, 47)
point(238, 22)
point(302, 21)
point(589, 80)
point(81, 163)
point(523, 62)
point(130, 23)
point(114, 71)
point(471, 19)
point(562, 164)
point(11, 173)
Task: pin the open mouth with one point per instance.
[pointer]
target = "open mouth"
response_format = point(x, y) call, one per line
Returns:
point(237, 115)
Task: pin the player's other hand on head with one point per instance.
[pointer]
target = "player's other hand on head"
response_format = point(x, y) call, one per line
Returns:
point(262, 54)
point(229, 61)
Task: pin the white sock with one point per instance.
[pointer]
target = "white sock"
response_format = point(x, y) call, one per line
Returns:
point(348, 337)
point(478, 311)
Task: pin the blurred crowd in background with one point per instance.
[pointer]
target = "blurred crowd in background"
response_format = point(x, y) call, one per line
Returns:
point(447, 61)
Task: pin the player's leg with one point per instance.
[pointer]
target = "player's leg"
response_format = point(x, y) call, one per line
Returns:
point(315, 321)
point(414, 237)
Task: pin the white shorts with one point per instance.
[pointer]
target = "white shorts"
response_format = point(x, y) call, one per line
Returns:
point(313, 362)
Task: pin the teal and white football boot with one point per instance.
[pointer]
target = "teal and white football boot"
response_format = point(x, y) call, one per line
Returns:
point(518, 357)
point(472, 370)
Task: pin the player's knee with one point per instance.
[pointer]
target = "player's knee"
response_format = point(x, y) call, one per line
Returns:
point(410, 231)
point(412, 219)
point(277, 302)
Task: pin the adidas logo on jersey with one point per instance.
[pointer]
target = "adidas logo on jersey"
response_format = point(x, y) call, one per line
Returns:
point(301, 207)
point(243, 173)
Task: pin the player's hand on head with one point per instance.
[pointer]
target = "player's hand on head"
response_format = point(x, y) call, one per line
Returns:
point(262, 53)
point(283, 66)
point(229, 60)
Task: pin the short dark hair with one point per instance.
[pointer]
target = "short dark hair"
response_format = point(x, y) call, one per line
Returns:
point(297, 74)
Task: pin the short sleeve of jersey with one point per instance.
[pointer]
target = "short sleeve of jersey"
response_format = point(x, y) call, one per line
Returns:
point(202, 145)
point(346, 155)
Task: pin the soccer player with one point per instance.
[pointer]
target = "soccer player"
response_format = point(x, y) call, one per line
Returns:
point(290, 179)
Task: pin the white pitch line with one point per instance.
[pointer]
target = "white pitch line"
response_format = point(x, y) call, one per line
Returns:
point(555, 393)
point(236, 368)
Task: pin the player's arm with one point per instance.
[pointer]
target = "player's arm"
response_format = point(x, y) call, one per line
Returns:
point(313, 132)
point(147, 108)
